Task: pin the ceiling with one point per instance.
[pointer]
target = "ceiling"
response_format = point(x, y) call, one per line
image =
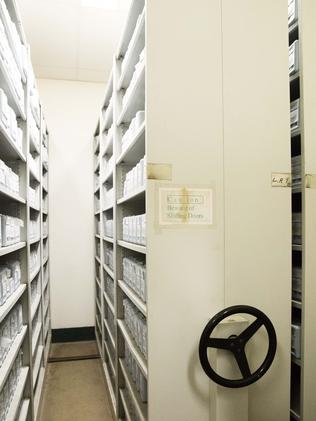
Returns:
point(72, 42)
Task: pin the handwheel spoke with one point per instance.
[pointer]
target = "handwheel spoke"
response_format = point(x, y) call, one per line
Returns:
point(242, 362)
point(218, 343)
point(251, 330)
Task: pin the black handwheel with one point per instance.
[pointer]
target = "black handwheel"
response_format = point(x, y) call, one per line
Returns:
point(236, 344)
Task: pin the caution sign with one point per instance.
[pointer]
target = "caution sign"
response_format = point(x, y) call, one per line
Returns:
point(185, 206)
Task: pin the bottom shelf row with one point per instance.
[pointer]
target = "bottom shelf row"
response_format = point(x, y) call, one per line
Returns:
point(13, 405)
point(12, 392)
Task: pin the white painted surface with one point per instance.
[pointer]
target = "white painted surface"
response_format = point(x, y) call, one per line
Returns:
point(72, 42)
point(70, 109)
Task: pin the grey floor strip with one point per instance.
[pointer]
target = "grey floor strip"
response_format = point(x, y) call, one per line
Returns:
point(75, 358)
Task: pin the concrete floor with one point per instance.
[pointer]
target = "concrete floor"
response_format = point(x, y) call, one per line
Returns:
point(75, 390)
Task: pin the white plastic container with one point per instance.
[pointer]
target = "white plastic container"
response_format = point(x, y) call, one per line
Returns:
point(19, 139)
point(13, 125)
point(292, 11)
point(4, 109)
point(294, 57)
point(296, 340)
point(140, 118)
point(295, 115)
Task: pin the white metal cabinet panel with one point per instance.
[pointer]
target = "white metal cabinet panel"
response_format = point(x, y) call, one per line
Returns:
point(184, 265)
point(308, 95)
point(257, 216)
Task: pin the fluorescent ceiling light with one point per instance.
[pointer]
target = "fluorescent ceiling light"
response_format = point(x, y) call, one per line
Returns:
point(101, 4)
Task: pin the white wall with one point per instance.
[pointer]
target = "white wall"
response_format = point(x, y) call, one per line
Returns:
point(71, 110)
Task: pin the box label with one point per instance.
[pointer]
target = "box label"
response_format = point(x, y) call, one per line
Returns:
point(281, 180)
point(185, 206)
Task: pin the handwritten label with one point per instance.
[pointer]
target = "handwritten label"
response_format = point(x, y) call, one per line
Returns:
point(281, 180)
point(185, 206)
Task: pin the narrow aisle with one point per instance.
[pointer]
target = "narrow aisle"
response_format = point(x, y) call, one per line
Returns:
point(75, 389)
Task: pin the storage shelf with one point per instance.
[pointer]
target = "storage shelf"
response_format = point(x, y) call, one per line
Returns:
point(135, 101)
point(24, 410)
point(108, 117)
point(108, 148)
point(109, 356)
point(125, 406)
point(131, 246)
point(108, 91)
point(97, 189)
point(98, 325)
point(135, 10)
point(138, 194)
point(37, 363)
point(34, 207)
point(11, 356)
point(12, 44)
point(97, 212)
point(45, 260)
point(46, 315)
point(34, 147)
point(296, 189)
point(294, 77)
point(99, 305)
point(139, 405)
point(16, 17)
point(7, 194)
point(11, 301)
point(108, 207)
point(295, 415)
point(35, 240)
point(109, 303)
point(46, 328)
point(35, 176)
point(32, 173)
point(35, 337)
point(296, 360)
point(38, 392)
point(47, 346)
point(297, 247)
point(98, 259)
point(131, 58)
point(34, 305)
point(98, 282)
point(12, 96)
point(296, 132)
point(108, 177)
point(97, 146)
point(45, 285)
point(133, 347)
point(134, 151)
point(97, 338)
point(35, 273)
point(108, 270)
point(109, 332)
point(35, 116)
point(297, 304)
point(110, 387)
point(133, 297)
point(293, 27)
point(17, 396)
point(9, 149)
point(108, 239)
point(12, 248)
